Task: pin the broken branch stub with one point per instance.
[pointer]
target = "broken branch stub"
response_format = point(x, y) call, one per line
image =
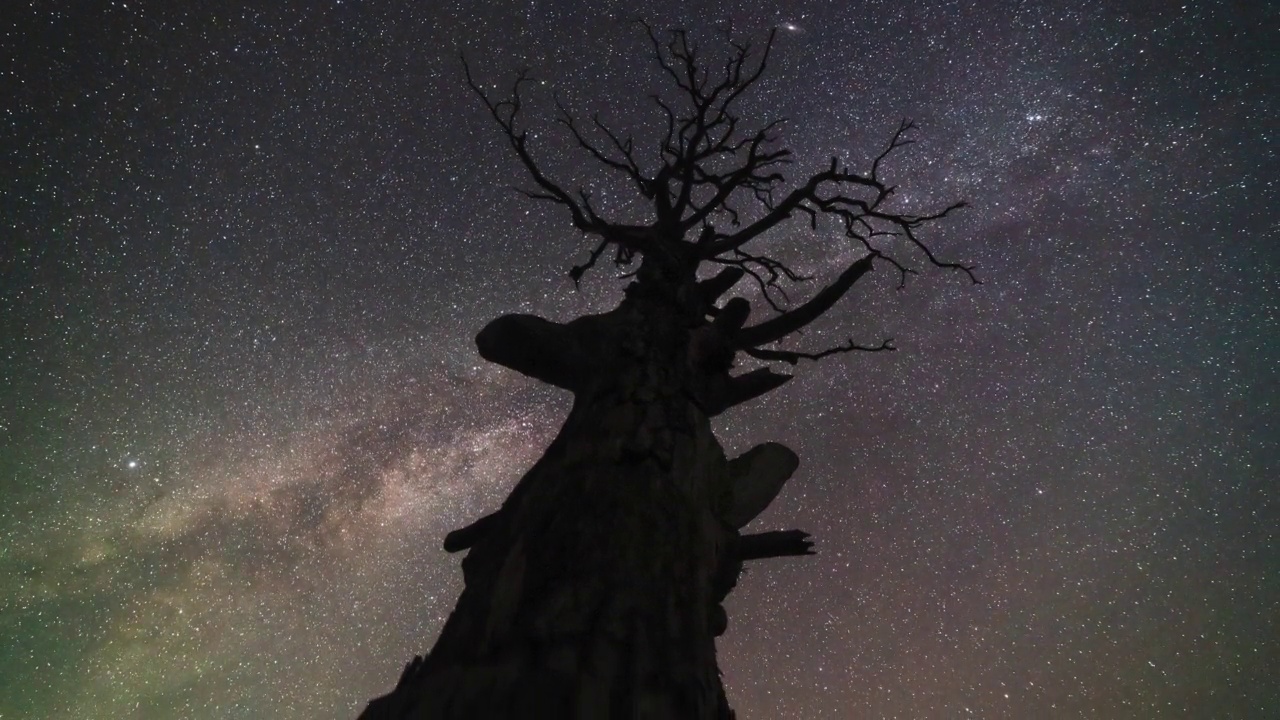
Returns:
point(727, 391)
point(774, 543)
point(713, 287)
point(530, 345)
point(755, 479)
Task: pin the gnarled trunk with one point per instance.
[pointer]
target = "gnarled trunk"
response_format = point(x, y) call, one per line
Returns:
point(594, 592)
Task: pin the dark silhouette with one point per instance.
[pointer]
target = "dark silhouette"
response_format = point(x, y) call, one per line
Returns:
point(595, 590)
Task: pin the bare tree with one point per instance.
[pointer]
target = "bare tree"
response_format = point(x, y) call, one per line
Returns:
point(595, 591)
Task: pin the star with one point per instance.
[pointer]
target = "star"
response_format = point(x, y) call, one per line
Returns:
point(284, 340)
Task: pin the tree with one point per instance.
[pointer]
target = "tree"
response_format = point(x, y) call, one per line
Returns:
point(595, 591)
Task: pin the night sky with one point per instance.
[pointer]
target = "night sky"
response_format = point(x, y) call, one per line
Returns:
point(245, 252)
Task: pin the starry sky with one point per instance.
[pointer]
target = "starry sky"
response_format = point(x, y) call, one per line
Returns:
point(246, 247)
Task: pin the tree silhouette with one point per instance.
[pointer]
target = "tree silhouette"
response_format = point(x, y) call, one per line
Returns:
point(595, 591)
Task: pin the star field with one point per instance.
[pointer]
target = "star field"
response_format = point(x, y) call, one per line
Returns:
point(246, 248)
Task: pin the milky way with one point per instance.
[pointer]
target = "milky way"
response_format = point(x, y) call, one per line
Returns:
point(246, 251)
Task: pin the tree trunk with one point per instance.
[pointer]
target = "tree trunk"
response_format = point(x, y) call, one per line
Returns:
point(595, 591)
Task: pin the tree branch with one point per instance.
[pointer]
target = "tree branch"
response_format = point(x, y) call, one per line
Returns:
point(627, 165)
point(783, 325)
point(577, 271)
point(775, 543)
point(713, 287)
point(766, 272)
point(465, 537)
point(859, 215)
point(712, 167)
point(504, 113)
point(727, 391)
point(792, 356)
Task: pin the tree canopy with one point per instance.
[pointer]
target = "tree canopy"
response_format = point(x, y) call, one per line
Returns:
point(717, 190)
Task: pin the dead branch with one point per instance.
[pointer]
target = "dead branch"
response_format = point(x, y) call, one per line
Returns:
point(793, 356)
point(505, 113)
point(625, 163)
point(727, 392)
point(789, 322)
point(711, 167)
point(712, 288)
point(465, 537)
point(775, 543)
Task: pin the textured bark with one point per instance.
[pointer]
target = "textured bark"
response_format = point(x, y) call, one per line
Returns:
point(594, 591)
